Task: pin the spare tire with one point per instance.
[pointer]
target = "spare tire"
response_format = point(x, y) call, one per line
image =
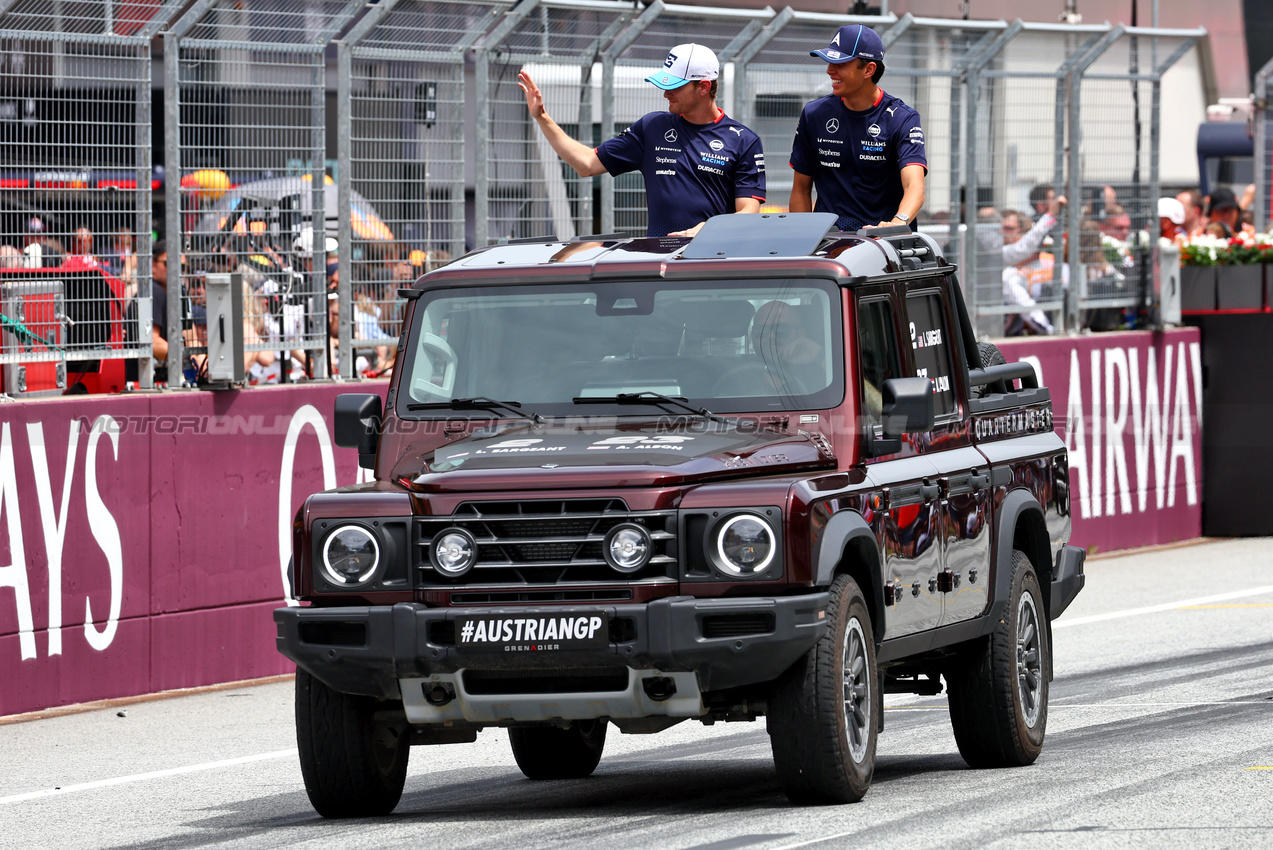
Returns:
point(990, 356)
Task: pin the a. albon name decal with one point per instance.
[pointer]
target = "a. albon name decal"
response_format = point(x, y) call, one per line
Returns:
point(1034, 420)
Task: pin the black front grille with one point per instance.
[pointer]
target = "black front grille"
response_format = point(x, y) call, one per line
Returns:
point(503, 597)
point(737, 625)
point(547, 542)
point(563, 680)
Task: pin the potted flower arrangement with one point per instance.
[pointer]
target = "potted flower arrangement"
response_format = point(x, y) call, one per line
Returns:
point(1198, 258)
point(1240, 279)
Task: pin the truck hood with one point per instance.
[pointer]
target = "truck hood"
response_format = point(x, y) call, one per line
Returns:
point(562, 456)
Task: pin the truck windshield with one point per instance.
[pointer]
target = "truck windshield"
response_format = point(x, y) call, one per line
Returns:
point(729, 346)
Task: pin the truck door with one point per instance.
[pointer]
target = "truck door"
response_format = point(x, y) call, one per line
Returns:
point(908, 523)
point(963, 477)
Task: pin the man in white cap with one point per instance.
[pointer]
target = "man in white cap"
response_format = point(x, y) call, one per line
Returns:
point(696, 162)
point(862, 149)
point(1171, 216)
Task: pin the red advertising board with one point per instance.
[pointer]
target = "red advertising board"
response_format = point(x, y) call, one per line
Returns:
point(144, 538)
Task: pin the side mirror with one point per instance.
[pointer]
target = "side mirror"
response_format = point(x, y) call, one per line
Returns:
point(909, 406)
point(358, 425)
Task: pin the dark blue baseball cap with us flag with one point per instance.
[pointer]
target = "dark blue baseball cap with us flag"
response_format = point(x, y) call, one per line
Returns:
point(852, 41)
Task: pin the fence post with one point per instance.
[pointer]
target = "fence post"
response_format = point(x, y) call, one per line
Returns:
point(972, 82)
point(1078, 64)
point(1263, 215)
point(621, 43)
point(749, 52)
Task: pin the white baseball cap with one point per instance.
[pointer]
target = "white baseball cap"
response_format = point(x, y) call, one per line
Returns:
point(303, 245)
point(686, 63)
point(1172, 210)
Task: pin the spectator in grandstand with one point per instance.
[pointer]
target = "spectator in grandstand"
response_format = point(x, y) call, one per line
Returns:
point(361, 364)
point(117, 257)
point(1116, 224)
point(1191, 200)
point(1022, 238)
point(696, 161)
point(82, 246)
point(158, 318)
point(860, 148)
point(1041, 198)
point(1223, 207)
point(10, 257)
point(1171, 216)
point(1024, 278)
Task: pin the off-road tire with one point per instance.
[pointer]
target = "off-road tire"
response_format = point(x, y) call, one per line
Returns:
point(818, 759)
point(353, 750)
point(546, 752)
point(990, 355)
point(993, 682)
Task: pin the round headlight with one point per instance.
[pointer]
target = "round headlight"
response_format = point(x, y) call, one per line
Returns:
point(628, 547)
point(350, 555)
point(454, 552)
point(745, 544)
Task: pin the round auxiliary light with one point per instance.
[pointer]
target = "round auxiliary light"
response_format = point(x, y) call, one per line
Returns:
point(628, 547)
point(350, 556)
point(453, 552)
point(745, 544)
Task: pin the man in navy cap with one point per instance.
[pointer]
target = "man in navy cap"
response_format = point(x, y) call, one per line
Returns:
point(696, 162)
point(860, 148)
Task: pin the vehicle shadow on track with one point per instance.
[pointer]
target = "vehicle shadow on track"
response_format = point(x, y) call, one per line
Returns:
point(633, 785)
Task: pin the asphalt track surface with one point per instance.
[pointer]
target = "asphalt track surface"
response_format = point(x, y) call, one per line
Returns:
point(1160, 734)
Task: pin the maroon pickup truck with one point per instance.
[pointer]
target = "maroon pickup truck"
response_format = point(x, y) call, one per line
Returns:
point(763, 472)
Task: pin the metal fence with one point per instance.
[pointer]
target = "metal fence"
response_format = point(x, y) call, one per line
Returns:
point(1262, 131)
point(403, 121)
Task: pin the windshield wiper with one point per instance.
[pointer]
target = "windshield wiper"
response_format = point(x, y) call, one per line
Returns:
point(650, 397)
point(480, 403)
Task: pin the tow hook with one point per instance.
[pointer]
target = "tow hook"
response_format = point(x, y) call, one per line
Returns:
point(438, 693)
point(659, 688)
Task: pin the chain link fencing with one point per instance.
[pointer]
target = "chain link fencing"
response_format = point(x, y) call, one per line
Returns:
point(404, 123)
point(75, 191)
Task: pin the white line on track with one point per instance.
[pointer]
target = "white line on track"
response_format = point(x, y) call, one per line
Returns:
point(1155, 609)
point(141, 777)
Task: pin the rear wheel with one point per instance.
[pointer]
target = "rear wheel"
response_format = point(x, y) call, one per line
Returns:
point(999, 686)
point(353, 750)
point(823, 717)
point(546, 752)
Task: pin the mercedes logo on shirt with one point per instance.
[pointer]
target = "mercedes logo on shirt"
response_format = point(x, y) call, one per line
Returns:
point(833, 126)
point(669, 136)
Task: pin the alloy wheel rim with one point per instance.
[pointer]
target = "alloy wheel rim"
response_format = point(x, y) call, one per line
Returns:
point(857, 690)
point(1029, 660)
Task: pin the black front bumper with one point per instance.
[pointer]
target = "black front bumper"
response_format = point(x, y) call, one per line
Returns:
point(366, 650)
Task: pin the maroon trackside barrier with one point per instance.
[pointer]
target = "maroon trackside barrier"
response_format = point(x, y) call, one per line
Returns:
point(160, 522)
point(1129, 406)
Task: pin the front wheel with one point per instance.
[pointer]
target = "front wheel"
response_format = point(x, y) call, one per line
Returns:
point(999, 686)
point(546, 752)
point(822, 718)
point(353, 750)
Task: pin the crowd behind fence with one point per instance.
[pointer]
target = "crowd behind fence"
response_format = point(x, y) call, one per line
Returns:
point(402, 121)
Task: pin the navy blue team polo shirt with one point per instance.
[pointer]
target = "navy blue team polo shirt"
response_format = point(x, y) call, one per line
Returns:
point(855, 158)
point(692, 171)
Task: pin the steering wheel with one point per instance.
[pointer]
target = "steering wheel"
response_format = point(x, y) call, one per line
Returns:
point(441, 354)
point(742, 378)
